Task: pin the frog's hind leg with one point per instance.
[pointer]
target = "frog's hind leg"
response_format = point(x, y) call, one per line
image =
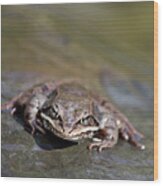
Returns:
point(130, 134)
point(133, 140)
point(10, 105)
point(126, 130)
point(21, 99)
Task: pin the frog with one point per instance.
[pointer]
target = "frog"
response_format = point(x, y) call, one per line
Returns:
point(73, 112)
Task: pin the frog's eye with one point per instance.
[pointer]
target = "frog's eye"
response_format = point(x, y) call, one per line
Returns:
point(88, 121)
point(84, 121)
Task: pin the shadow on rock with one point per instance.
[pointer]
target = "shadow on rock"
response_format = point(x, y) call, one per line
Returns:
point(47, 141)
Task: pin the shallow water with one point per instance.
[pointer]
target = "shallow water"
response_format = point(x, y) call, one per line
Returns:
point(109, 48)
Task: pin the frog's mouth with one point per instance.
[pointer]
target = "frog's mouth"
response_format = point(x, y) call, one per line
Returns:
point(76, 134)
point(79, 133)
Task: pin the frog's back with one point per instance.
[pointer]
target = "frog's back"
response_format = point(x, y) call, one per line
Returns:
point(73, 90)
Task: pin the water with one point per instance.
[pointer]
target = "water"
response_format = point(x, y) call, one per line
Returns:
point(109, 48)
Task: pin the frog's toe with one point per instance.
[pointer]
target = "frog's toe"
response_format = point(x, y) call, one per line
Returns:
point(105, 146)
point(13, 110)
point(124, 135)
point(8, 107)
point(136, 143)
point(32, 130)
point(101, 145)
point(92, 146)
point(132, 137)
point(139, 145)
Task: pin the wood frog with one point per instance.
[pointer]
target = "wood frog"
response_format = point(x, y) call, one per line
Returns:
point(72, 112)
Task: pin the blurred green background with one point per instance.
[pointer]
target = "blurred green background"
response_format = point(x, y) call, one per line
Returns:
point(109, 48)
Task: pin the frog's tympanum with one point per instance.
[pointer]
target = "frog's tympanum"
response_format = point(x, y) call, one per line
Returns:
point(72, 112)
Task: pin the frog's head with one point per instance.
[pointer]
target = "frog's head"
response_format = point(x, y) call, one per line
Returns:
point(70, 119)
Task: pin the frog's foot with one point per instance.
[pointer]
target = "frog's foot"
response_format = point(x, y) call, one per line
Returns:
point(11, 110)
point(134, 139)
point(8, 107)
point(101, 145)
point(132, 136)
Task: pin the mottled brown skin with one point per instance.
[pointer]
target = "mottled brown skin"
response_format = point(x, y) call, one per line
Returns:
point(72, 112)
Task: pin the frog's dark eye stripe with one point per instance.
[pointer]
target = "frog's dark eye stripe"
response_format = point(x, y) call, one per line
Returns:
point(51, 112)
point(48, 123)
point(84, 121)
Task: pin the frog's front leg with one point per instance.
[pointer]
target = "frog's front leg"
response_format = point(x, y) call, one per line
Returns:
point(107, 135)
point(31, 110)
point(105, 138)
